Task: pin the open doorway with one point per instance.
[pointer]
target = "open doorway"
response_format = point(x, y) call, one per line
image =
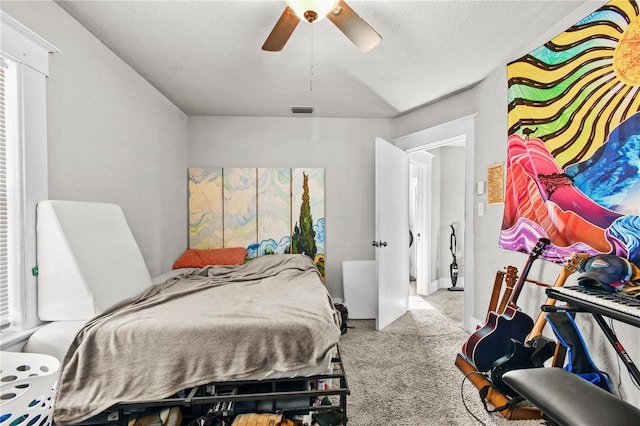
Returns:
point(432, 255)
point(437, 207)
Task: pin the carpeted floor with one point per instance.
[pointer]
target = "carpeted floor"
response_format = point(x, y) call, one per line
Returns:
point(405, 374)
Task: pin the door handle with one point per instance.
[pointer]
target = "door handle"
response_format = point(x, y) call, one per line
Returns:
point(379, 243)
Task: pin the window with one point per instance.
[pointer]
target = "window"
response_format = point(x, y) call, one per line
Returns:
point(23, 171)
point(5, 319)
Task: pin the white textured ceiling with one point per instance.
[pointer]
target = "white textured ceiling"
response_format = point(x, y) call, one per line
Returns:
point(206, 55)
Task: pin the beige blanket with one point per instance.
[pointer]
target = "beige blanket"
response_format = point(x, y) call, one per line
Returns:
point(221, 323)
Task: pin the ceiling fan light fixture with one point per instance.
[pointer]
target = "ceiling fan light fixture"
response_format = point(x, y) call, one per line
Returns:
point(337, 11)
point(312, 10)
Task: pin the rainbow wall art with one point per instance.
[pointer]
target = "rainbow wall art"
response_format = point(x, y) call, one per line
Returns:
point(573, 155)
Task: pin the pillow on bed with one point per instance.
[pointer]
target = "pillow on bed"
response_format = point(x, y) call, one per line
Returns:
point(199, 258)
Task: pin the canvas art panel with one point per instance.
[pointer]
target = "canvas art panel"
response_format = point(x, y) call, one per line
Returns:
point(205, 207)
point(240, 207)
point(307, 195)
point(573, 155)
point(265, 210)
point(274, 210)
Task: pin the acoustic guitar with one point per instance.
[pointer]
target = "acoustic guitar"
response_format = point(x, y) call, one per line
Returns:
point(522, 354)
point(493, 340)
point(509, 276)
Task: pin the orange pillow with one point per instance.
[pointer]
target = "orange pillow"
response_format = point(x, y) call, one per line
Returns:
point(199, 258)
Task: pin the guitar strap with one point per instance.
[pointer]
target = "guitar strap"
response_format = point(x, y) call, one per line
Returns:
point(580, 362)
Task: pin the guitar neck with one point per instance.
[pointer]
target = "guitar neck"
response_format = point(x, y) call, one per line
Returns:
point(521, 280)
point(510, 278)
point(568, 268)
point(505, 298)
point(535, 253)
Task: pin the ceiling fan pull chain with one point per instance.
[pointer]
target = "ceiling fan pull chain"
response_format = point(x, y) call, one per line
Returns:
point(311, 61)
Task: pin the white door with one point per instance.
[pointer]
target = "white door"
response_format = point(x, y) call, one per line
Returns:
point(392, 232)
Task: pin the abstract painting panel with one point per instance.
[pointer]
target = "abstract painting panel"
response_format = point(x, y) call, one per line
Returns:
point(240, 207)
point(573, 155)
point(274, 210)
point(205, 207)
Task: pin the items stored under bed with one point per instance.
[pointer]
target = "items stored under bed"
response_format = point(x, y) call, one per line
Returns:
point(296, 398)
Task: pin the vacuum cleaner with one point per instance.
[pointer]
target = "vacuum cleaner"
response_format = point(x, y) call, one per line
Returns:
point(453, 267)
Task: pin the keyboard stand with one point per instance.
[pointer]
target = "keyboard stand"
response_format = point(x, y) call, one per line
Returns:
point(611, 336)
point(579, 305)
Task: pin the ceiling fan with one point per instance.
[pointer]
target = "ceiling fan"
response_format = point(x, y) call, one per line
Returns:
point(353, 26)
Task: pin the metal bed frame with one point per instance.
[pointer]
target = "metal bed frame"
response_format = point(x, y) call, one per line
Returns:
point(290, 396)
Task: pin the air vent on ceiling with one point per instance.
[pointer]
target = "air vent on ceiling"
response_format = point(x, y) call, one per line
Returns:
point(301, 110)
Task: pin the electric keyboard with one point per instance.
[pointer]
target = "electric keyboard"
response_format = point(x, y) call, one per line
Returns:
point(619, 306)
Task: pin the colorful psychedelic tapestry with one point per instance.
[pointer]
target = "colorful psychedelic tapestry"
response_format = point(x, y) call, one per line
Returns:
point(265, 210)
point(573, 155)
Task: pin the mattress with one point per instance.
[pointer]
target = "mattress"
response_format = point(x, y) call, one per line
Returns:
point(88, 259)
point(54, 338)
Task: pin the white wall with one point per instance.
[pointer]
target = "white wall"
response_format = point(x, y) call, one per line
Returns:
point(344, 147)
point(112, 137)
point(436, 212)
point(452, 208)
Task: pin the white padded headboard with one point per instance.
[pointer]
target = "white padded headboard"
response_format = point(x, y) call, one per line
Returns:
point(87, 259)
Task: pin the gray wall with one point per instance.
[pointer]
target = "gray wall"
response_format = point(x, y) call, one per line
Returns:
point(343, 147)
point(112, 137)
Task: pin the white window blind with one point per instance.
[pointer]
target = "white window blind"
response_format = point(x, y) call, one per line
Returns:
point(5, 319)
point(24, 55)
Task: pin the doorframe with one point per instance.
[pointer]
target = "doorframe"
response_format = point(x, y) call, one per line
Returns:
point(440, 135)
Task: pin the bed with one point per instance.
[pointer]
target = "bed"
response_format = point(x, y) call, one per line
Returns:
point(126, 340)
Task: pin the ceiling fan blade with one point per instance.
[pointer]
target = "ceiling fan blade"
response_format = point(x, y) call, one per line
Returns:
point(354, 27)
point(281, 31)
